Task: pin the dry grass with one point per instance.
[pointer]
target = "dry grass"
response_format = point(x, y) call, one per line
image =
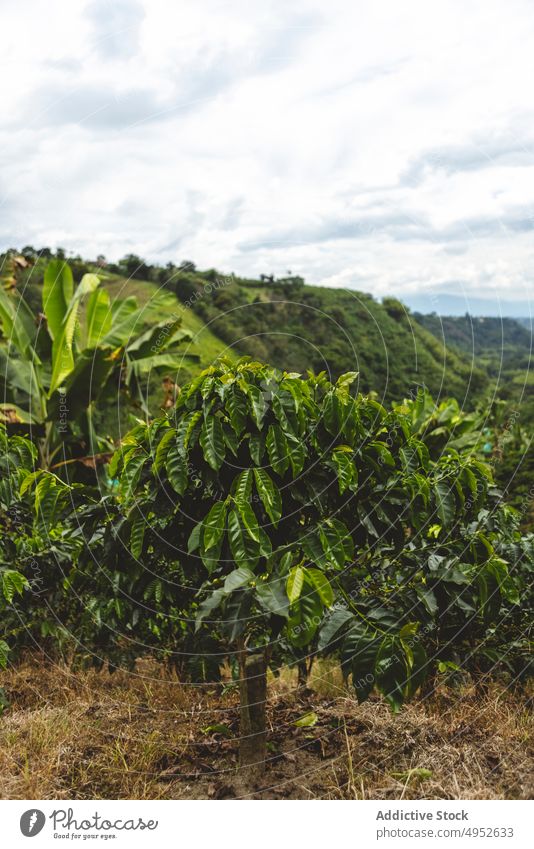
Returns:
point(144, 735)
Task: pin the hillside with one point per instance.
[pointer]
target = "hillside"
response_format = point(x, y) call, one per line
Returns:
point(160, 303)
point(299, 327)
point(288, 324)
point(498, 344)
point(502, 347)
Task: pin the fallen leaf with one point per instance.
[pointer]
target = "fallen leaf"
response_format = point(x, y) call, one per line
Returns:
point(307, 721)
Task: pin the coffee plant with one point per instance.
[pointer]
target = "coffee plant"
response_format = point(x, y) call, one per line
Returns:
point(289, 516)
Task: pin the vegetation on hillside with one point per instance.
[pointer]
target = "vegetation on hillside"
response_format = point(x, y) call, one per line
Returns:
point(499, 344)
point(503, 348)
point(291, 325)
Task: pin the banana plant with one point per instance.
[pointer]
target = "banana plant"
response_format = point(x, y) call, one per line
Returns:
point(58, 367)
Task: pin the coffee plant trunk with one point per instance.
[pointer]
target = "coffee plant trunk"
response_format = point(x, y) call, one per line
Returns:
point(253, 729)
point(302, 679)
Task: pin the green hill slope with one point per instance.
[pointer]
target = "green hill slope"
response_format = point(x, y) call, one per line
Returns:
point(504, 348)
point(290, 325)
point(498, 344)
point(160, 303)
point(300, 327)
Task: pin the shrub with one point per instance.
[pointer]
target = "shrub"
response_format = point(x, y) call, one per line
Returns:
point(295, 512)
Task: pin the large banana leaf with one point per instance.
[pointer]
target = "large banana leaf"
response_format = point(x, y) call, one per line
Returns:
point(126, 319)
point(58, 289)
point(14, 325)
point(62, 349)
point(157, 339)
point(168, 360)
point(99, 318)
point(13, 414)
point(86, 383)
point(20, 379)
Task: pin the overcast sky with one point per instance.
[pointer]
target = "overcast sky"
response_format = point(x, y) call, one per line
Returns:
point(382, 146)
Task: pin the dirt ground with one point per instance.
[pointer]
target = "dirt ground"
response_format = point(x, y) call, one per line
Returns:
point(144, 735)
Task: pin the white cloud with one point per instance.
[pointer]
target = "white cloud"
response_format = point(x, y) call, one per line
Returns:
point(384, 146)
point(117, 26)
